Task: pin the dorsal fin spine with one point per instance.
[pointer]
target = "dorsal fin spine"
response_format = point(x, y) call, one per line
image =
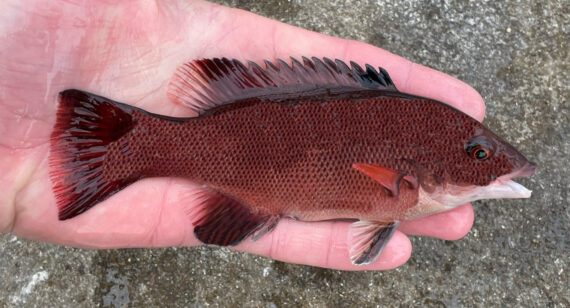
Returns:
point(298, 66)
point(332, 66)
point(386, 76)
point(261, 74)
point(192, 91)
point(374, 75)
point(225, 87)
point(207, 83)
point(243, 71)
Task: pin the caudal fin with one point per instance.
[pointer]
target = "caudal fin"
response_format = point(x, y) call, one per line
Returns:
point(86, 124)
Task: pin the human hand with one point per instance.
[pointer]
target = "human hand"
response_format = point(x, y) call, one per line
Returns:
point(128, 52)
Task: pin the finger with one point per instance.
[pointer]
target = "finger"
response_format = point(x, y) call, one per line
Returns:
point(323, 244)
point(448, 225)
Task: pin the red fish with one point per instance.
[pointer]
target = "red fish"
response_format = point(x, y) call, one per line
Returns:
point(314, 140)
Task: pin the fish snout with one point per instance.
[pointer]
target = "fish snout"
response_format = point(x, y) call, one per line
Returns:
point(527, 170)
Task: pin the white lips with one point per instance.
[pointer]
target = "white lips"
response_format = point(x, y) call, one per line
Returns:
point(506, 189)
point(457, 195)
point(444, 199)
point(448, 196)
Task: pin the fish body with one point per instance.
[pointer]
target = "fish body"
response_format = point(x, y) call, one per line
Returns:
point(315, 141)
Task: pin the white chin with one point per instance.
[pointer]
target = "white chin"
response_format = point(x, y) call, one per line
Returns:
point(453, 195)
point(506, 189)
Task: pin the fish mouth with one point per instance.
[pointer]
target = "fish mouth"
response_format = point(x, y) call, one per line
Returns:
point(450, 196)
point(505, 187)
point(525, 171)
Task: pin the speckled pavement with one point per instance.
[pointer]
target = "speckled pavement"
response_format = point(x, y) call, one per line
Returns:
point(515, 53)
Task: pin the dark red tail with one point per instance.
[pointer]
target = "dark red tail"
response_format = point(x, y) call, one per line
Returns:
point(86, 124)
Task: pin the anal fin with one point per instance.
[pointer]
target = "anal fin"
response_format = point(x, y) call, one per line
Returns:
point(224, 221)
point(368, 238)
point(268, 225)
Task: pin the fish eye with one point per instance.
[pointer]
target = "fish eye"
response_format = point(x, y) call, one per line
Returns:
point(479, 148)
point(479, 153)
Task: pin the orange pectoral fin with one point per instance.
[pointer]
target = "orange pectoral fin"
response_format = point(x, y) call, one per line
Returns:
point(388, 178)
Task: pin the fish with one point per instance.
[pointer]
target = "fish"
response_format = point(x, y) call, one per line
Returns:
point(313, 139)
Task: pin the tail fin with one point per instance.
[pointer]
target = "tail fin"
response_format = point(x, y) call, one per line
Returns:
point(86, 124)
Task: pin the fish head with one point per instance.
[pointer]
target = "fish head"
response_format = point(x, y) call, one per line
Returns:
point(473, 164)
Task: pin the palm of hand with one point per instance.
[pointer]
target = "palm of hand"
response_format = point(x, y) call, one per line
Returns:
point(128, 52)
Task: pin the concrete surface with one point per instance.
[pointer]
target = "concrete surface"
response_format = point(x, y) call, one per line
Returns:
point(514, 52)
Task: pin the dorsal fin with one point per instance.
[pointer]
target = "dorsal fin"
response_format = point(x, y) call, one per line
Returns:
point(206, 83)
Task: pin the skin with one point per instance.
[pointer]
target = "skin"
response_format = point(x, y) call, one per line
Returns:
point(128, 52)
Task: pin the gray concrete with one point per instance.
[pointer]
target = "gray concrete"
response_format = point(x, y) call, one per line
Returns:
point(514, 52)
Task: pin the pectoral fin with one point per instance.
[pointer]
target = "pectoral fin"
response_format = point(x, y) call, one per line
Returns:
point(368, 238)
point(388, 178)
